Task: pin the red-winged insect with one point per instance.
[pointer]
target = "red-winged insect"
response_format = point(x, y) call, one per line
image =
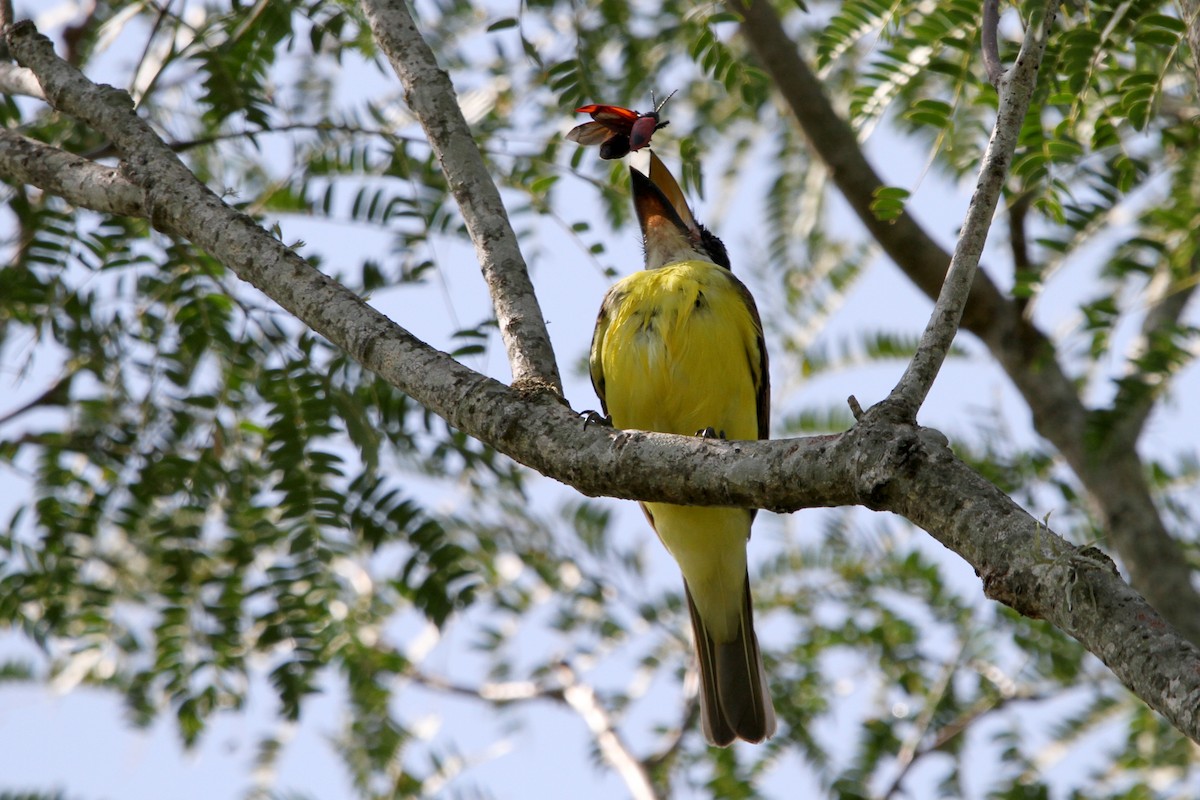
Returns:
point(618, 131)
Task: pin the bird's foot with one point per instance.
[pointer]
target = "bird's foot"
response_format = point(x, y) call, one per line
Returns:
point(710, 433)
point(595, 418)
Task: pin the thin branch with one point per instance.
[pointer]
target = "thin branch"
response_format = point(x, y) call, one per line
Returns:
point(6, 19)
point(910, 749)
point(16, 80)
point(1169, 296)
point(979, 710)
point(1189, 12)
point(59, 394)
point(881, 463)
point(1018, 241)
point(491, 691)
point(582, 698)
point(990, 42)
point(1016, 92)
point(1117, 482)
point(687, 722)
point(80, 182)
point(432, 98)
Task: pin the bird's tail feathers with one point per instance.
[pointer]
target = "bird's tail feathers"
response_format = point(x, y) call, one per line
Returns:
point(734, 700)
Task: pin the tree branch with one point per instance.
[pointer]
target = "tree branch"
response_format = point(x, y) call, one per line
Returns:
point(498, 692)
point(16, 80)
point(955, 727)
point(1016, 90)
point(1189, 12)
point(1115, 481)
point(582, 698)
point(1018, 240)
point(1168, 298)
point(80, 182)
point(883, 463)
point(432, 98)
point(6, 19)
point(989, 42)
point(910, 748)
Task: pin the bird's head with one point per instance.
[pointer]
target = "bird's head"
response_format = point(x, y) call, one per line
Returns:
point(669, 231)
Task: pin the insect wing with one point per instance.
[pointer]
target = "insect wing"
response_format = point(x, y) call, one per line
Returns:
point(589, 133)
point(616, 146)
point(615, 118)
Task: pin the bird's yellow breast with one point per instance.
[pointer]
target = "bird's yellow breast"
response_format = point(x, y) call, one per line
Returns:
point(677, 351)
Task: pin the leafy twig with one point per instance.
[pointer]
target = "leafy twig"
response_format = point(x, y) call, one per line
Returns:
point(1016, 92)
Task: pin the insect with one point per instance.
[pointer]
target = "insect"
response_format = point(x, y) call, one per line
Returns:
point(618, 131)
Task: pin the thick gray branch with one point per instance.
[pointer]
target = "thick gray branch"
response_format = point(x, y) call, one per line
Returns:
point(432, 99)
point(884, 462)
point(1114, 480)
point(1016, 90)
point(80, 182)
point(1024, 565)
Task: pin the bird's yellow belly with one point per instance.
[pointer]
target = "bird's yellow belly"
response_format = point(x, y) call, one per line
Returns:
point(679, 355)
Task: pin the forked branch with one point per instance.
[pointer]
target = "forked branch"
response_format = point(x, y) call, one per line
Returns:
point(1016, 91)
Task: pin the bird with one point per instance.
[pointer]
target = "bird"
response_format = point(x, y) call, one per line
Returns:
point(679, 348)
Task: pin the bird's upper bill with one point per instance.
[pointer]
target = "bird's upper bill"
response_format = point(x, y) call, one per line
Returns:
point(669, 231)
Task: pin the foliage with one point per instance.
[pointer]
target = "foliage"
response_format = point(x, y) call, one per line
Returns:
point(215, 495)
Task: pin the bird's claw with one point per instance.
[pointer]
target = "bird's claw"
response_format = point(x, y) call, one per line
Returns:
point(710, 433)
point(595, 418)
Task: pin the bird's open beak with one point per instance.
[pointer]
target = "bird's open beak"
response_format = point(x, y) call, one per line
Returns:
point(659, 201)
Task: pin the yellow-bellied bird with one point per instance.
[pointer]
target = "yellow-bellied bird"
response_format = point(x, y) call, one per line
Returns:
point(679, 348)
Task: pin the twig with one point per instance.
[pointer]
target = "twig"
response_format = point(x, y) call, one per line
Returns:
point(1018, 242)
point(16, 80)
point(687, 722)
point(1016, 92)
point(1137, 393)
point(980, 709)
point(58, 394)
point(6, 19)
point(910, 749)
point(432, 99)
point(1189, 12)
point(492, 692)
point(990, 42)
point(582, 698)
